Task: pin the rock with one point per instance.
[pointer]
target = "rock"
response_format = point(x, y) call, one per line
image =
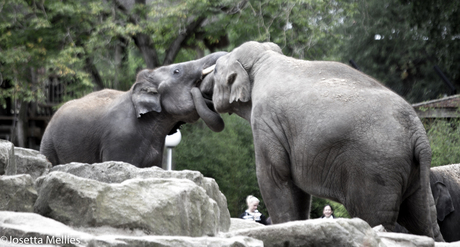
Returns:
point(34, 229)
point(29, 229)
point(158, 206)
point(117, 172)
point(7, 162)
point(17, 193)
point(405, 240)
point(452, 244)
point(317, 232)
point(29, 161)
point(239, 224)
point(120, 241)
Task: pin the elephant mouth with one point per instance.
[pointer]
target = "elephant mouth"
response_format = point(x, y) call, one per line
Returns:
point(204, 106)
point(207, 96)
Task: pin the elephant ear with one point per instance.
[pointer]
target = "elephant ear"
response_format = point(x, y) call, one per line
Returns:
point(443, 200)
point(145, 98)
point(238, 80)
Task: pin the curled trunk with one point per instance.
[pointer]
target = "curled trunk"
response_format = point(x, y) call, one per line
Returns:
point(212, 119)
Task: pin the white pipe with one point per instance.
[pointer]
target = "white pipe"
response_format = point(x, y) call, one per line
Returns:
point(169, 159)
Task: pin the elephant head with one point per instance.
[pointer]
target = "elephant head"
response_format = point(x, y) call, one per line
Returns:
point(232, 80)
point(442, 199)
point(168, 90)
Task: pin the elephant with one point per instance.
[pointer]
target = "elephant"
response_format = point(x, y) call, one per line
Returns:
point(445, 185)
point(325, 129)
point(131, 126)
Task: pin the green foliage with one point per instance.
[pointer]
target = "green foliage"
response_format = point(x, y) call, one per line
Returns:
point(444, 136)
point(228, 157)
point(303, 29)
point(385, 44)
point(318, 204)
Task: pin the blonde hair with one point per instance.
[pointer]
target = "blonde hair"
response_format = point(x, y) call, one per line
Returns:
point(251, 198)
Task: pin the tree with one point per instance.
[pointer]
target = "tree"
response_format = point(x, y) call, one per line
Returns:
point(383, 41)
point(444, 136)
point(441, 20)
point(228, 157)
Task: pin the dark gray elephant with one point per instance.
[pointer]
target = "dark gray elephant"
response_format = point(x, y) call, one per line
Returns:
point(445, 185)
point(328, 130)
point(130, 126)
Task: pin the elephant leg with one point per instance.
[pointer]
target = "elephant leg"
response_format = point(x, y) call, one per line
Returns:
point(283, 199)
point(418, 215)
point(372, 196)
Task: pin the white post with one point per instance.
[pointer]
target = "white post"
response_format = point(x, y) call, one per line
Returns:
point(171, 142)
point(169, 159)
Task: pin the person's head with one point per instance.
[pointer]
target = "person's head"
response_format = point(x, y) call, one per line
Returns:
point(252, 202)
point(327, 211)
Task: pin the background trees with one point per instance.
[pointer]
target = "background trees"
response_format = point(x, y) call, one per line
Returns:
point(80, 46)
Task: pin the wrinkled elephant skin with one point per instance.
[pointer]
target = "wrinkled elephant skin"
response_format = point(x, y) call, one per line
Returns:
point(328, 130)
point(129, 126)
point(445, 185)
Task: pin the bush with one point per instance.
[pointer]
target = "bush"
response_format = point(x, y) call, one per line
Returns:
point(444, 136)
point(228, 157)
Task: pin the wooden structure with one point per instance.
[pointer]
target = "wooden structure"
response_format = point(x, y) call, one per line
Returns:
point(24, 124)
point(447, 107)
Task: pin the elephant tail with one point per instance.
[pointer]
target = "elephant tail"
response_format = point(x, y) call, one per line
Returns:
point(422, 153)
point(48, 150)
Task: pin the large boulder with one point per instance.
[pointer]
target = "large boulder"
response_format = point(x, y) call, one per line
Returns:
point(7, 161)
point(29, 229)
point(117, 172)
point(239, 224)
point(29, 161)
point(405, 240)
point(318, 232)
point(17, 193)
point(158, 206)
point(34, 229)
point(176, 241)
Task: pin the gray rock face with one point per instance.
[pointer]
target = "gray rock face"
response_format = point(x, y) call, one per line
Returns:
point(238, 241)
point(117, 204)
point(117, 172)
point(17, 193)
point(158, 206)
point(405, 240)
point(36, 230)
point(7, 161)
point(31, 162)
point(239, 224)
point(318, 232)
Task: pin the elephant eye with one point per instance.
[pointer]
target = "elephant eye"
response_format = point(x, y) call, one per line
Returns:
point(176, 71)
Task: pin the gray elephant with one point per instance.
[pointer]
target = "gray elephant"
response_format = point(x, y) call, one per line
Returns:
point(130, 126)
point(445, 185)
point(328, 130)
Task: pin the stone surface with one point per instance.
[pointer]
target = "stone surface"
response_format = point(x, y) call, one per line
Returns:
point(121, 241)
point(318, 232)
point(239, 224)
point(36, 230)
point(7, 162)
point(158, 206)
point(17, 193)
point(29, 161)
point(117, 172)
point(29, 229)
point(115, 204)
point(405, 240)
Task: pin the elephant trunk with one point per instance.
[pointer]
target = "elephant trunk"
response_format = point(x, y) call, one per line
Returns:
point(212, 119)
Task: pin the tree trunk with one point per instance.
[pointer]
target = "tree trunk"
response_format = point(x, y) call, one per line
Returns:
point(145, 45)
point(172, 51)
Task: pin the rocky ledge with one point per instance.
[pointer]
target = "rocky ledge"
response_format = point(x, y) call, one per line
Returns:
point(118, 204)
